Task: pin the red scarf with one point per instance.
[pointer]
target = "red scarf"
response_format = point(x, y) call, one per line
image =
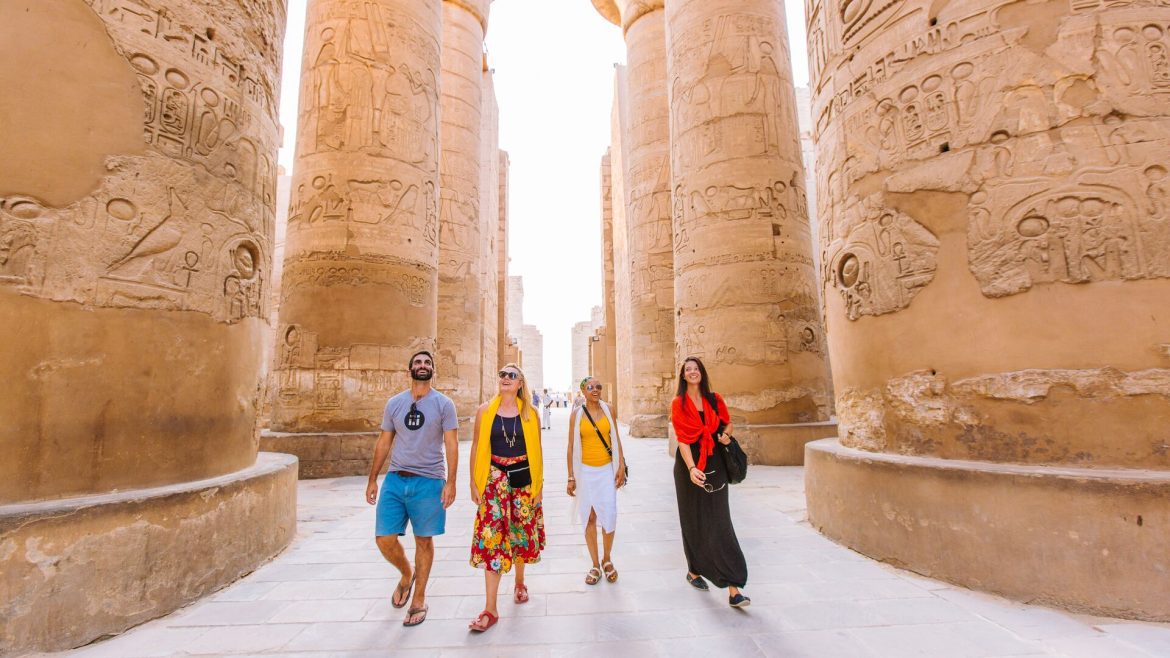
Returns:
point(689, 428)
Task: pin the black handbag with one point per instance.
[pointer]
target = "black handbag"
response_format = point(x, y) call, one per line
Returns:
point(735, 461)
point(605, 444)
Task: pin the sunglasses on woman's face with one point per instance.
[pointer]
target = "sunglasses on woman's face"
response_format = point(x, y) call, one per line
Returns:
point(508, 374)
point(593, 387)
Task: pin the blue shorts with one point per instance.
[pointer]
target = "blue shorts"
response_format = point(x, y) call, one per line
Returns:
point(416, 499)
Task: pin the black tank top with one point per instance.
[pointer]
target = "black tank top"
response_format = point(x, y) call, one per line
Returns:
point(503, 429)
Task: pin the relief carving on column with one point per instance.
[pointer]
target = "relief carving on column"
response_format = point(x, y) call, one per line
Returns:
point(1059, 146)
point(188, 224)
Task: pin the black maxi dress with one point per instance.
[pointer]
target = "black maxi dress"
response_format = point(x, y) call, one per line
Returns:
point(709, 541)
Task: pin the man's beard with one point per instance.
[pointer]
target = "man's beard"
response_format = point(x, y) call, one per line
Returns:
point(421, 374)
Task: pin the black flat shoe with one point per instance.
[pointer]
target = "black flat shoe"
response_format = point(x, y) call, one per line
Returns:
point(697, 582)
point(739, 601)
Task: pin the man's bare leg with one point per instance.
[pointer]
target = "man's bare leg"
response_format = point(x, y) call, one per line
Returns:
point(395, 554)
point(424, 557)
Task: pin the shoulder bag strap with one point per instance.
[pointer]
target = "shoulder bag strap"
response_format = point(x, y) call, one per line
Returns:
point(598, 430)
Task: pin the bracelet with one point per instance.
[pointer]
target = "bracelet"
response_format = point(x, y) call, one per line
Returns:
point(572, 479)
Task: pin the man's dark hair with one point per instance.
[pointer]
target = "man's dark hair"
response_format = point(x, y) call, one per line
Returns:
point(410, 363)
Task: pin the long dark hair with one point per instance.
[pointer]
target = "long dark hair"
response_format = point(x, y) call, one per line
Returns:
point(704, 384)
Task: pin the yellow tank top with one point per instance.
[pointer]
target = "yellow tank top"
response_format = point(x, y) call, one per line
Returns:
point(592, 452)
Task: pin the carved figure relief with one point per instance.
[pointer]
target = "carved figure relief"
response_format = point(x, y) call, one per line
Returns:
point(734, 108)
point(359, 95)
point(881, 262)
point(158, 230)
point(1079, 233)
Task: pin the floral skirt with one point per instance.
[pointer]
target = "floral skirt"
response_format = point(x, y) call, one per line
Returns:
point(509, 527)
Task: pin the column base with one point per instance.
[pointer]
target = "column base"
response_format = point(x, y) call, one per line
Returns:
point(1090, 540)
point(649, 426)
point(77, 569)
point(781, 445)
point(325, 454)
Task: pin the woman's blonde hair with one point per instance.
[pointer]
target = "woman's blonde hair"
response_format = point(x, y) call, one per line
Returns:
point(523, 393)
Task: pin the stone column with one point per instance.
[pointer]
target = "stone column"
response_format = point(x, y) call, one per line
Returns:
point(137, 200)
point(621, 252)
point(458, 357)
point(997, 263)
point(647, 178)
point(745, 285)
point(359, 289)
point(605, 366)
point(489, 194)
point(504, 347)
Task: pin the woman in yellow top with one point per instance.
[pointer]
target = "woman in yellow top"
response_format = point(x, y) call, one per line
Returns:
point(597, 468)
point(506, 481)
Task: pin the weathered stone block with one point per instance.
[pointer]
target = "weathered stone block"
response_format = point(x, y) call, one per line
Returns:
point(1088, 539)
point(80, 568)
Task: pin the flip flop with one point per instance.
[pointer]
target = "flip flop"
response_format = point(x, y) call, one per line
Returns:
point(521, 594)
point(593, 576)
point(611, 573)
point(475, 626)
point(398, 591)
point(414, 611)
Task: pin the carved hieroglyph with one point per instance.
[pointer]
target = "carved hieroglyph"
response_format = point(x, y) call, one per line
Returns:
point(993, 187)
point(359, 288)
point(137, 192)
point(745, 288)
point(647, 200)
point(459, 358)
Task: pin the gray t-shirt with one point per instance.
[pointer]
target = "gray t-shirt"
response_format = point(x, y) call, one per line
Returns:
point(419, 451)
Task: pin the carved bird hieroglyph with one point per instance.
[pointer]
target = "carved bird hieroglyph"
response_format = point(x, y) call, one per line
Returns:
point(160, 239)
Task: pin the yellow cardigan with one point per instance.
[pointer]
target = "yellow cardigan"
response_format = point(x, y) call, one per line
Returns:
point(481, 461)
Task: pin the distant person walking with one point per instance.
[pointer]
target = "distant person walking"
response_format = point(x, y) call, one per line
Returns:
point(546, 411)
point(418, 425)
point(700, 418)
point(597, 469)
point(507, 477)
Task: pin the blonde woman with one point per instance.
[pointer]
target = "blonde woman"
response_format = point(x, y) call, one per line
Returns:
point(507, 477)
point(597, 468)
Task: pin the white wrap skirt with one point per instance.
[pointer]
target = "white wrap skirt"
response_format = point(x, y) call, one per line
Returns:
point(595, 491)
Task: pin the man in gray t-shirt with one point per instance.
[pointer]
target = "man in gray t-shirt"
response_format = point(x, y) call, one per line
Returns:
point(418, 426)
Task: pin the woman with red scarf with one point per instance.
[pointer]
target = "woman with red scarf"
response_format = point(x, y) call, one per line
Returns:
point(700, 419)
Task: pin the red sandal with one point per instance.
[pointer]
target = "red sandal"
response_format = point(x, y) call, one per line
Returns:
point(476, 627)
point(521, 594)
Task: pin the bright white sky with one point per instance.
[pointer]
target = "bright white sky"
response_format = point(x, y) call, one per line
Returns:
point(554, 83)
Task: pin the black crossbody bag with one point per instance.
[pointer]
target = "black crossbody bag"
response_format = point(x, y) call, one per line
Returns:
point(605, 444)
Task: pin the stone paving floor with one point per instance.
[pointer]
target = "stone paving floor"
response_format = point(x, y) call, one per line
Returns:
point(329, 593)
